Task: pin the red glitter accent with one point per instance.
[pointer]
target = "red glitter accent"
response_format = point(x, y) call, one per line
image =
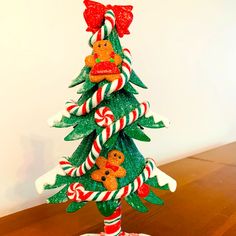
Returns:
point(143, 191)
point(94, 16)
point(105, 68)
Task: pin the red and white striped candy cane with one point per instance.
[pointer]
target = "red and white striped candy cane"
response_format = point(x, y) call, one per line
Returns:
point(106, 29)
point(104, 91)
point(76, 191)
point(102, 139)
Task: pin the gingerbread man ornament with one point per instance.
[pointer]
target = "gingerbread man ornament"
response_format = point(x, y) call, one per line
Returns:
point(103, 62)
point(109, 170)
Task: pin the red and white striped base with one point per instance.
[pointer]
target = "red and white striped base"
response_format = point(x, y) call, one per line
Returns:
point(112, 226)
point(112, 223)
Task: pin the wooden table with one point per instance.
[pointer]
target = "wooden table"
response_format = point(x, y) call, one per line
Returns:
point(204, 204)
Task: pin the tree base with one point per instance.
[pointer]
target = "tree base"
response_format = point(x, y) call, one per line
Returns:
point(112, 226)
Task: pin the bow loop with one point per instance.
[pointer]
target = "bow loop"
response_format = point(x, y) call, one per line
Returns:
point(94, 16)
point(112, 167)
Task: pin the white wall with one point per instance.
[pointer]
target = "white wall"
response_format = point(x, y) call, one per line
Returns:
point(185, 51)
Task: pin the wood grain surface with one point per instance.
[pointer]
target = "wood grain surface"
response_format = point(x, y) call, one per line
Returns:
point(203, 205)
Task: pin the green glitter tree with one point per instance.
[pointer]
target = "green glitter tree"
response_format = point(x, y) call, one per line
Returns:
point(128, 123)
point(84, 127)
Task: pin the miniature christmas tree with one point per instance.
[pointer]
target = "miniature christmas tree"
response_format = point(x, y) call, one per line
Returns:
point(107, 166)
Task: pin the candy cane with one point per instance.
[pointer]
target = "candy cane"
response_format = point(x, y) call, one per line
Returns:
point(106, 29)
point(104, 91)
point(76, 191)
point(101, 139)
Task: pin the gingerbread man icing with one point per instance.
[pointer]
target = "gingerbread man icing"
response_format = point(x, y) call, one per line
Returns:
point(109, 170)
point(103, 62)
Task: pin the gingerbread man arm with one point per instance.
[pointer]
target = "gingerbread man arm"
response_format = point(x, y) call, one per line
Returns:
point(121, 172)
point(118, 59)
point(96, 175)
point(101, 162)
point(90, 61)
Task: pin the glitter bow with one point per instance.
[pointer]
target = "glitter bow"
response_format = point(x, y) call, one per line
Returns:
point(94, 16)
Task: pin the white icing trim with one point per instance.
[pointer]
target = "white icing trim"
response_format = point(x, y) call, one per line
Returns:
point(58, 117)
point(48, 178)
point(163, 179)
point(157, 118)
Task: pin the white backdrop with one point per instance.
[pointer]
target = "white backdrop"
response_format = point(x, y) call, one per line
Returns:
point(183, 50)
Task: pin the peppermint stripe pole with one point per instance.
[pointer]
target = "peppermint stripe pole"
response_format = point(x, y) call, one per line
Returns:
point(106, 29)
point(101, 139)
point(112, 224)
point(76, 191)
point(103, 91)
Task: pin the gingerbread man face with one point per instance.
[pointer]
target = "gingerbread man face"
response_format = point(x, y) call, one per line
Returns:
point(103, 46)
point(116, 157)
point(103, 62)
point(110, 169)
